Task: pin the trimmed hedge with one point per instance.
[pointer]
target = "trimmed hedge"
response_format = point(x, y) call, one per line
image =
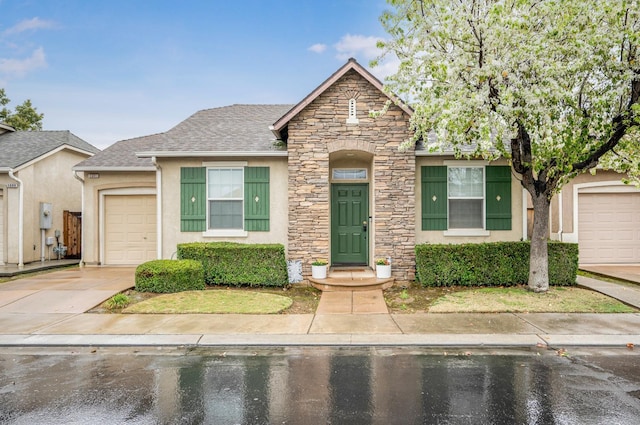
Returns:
point(491, 264)
point(167, 276)
point(236, 264)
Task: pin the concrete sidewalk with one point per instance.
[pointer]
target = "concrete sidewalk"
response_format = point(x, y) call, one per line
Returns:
point(48, 310)
point(429, 329)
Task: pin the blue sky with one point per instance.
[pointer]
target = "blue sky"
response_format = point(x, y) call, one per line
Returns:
point(112, 70)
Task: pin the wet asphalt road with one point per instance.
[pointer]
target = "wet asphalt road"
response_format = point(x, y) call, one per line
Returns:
point(318, 386)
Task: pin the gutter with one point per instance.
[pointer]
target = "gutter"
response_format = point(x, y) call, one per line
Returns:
point(20, 219)
point(209, 154)
point(158, 207)
point(98, 169)
point(81, 180)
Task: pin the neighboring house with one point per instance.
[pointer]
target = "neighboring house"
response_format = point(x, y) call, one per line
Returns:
point(322, 177)
point(35, 169)
point(602, 215)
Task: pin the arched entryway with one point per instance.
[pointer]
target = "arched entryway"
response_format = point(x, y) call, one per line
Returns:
point(350, 216)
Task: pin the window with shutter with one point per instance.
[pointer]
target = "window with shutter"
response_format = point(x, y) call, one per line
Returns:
point(466, 197)
point(224, 199)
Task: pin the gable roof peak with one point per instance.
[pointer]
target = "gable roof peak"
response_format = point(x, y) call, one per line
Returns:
point(351, 64)
point(21, 147)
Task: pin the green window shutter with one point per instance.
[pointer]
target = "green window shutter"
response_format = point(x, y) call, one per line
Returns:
point(193, 199)
point(256, 199)
point(434, 198)
point(498, 201)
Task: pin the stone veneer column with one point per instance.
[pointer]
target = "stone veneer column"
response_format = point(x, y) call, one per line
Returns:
point(321, 126)
point(308, 200)
point(394, 203)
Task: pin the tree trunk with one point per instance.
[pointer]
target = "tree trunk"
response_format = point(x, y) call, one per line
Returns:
point(538, 256)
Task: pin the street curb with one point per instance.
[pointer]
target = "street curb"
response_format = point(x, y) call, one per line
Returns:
point(345, 340)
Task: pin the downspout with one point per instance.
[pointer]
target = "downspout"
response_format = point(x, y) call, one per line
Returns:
point(81, 180)
point(560, 217)
point(525, 220)
point(158, 206)
point(20, 219)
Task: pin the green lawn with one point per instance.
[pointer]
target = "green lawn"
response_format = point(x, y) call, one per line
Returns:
point(213, 301)
point(519, 300)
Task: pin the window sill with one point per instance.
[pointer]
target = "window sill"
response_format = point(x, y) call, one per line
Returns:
point(221, 233)
point(467, 232)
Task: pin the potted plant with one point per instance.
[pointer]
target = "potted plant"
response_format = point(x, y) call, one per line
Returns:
point(383, 268)
point(319, 269)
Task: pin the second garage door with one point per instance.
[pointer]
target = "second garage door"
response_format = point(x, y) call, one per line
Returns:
point(130, 229)
point(609, 228)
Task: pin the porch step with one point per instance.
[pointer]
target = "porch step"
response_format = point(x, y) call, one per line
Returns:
point(358, 284)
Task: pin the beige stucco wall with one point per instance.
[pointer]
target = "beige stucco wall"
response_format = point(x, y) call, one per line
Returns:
point(128, 182)
point(171, 234)
point(564, 203)
point(438, 236)
point(131, 182)
point(48, 180)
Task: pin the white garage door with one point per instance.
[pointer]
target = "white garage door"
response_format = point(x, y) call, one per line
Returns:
point(609, 228)
point(130, 229)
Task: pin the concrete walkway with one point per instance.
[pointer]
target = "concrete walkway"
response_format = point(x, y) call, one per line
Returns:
point(48, 310)
point(10, 270)
point(628, 294)
point(352, 302)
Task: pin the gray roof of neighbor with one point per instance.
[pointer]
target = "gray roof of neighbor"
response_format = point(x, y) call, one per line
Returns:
point(122, 154)
point(234, 128)
point(19, 147)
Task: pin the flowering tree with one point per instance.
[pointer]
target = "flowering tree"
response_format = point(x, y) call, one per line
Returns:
point(552, 85)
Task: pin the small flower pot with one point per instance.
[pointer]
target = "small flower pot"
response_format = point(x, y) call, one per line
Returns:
point(319, 272)
point(383, 272)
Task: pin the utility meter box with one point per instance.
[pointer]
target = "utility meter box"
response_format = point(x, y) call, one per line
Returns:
point(46, 215)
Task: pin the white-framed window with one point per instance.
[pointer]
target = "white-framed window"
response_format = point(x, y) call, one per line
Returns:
point(349, 174)
point(466, 197)
point(225, 198)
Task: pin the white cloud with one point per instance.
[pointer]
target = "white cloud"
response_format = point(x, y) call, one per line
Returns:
point(318, 48)
point(357, 45)
point(20, 67)
point(386, 67)
point(29, 24)
point(364, 48)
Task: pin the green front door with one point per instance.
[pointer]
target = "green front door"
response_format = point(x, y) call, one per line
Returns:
point(349, 223)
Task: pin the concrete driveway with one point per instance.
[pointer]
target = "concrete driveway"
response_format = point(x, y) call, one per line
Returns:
point(630, 272)
point(68, 291)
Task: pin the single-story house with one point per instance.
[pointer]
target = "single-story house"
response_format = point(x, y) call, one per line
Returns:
point(322, 177)
point(36, 187)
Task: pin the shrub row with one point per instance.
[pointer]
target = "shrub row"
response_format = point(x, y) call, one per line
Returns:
point(167, 276)
point(491, 264)
point(228, 263)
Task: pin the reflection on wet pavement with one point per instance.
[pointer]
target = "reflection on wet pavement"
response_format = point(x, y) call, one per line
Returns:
point(316, 386)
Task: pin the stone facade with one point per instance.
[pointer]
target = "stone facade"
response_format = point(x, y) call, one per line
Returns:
point(321, 131)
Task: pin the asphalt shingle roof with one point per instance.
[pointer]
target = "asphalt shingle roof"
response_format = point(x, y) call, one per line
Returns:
point(123, 154)
point(234, 128)
point(19, 147)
